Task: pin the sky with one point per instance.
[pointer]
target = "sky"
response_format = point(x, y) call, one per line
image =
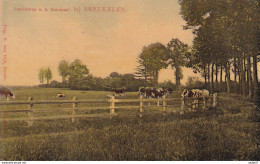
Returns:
point(105, 41)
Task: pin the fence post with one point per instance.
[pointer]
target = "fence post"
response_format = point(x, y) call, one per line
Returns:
point(158, 102)
point(182, 105)
point(141, 106)
point(204, 102)
point(164, 105)
point(75, 109)
point(112, 105)
point(197, 103)
point(30, 113)
point(214, 100)
point(193, 104)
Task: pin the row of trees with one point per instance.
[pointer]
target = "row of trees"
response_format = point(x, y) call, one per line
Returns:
point(76, 75)
point(226, 39)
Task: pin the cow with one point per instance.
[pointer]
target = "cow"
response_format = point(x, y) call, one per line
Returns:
point(7, 93)
point(195, 93)
point(141, 92)
point(187, 93)
point(60, 95)
point(119, 91)
point(158, 93)
point(150, 92)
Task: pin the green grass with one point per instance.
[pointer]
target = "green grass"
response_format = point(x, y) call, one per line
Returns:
point(228, 132)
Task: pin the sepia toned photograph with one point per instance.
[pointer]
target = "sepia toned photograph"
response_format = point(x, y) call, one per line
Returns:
point(129, 80)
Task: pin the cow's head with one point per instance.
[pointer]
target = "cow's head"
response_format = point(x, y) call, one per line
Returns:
point(12, 95)
point(184, 93)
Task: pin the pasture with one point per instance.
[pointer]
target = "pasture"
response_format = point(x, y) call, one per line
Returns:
point(228, 132)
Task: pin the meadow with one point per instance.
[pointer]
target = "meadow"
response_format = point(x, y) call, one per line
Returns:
point(228, 132)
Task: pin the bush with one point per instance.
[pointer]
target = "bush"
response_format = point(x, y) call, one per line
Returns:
point(194, 83)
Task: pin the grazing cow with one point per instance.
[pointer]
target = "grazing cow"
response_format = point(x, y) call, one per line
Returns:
point(195, 93)
point(7, 93)
point(187, 93)
point(119, 91)
point(61, 95)
point(158, 93)
point(147, 92)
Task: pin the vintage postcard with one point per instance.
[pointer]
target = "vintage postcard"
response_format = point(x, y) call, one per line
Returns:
point(129, 80)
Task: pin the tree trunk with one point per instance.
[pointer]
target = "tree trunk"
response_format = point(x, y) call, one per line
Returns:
point(205, 76)
point(216, 81)
point(221, 74)
point(239, 75)
point(156, 78)
point(243, 80)
point(249, 75)
point(209, 76)
point(212, 78)
point(246, 77)
point(255, 77)
point(235, 74)
point(227, 68)
point(177, 78)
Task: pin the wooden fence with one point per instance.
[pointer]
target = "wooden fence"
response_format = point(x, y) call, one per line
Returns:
point(186, 105)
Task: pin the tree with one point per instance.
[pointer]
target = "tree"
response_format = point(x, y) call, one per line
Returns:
point(227, 31)
point(42, 75)
point(77, 74)
point(178, 52)
point(63, 70)
point(48, 75)
point(151, 60)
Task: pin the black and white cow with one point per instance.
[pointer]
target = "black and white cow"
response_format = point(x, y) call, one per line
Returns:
point(195, 93)
point(150, 92)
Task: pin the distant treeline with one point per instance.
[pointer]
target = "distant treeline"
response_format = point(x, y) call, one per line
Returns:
point(114, 80)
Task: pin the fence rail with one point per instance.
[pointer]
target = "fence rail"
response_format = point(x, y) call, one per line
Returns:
point(186, 104)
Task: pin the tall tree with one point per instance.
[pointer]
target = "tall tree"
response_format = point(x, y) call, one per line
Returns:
point(178, 52)
point(77, 74)
point(151, 60)
point(48, 75)
point(42, 75)
point(63, 70)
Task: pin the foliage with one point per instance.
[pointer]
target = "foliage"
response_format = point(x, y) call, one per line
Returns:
point(77, 74)
point(45, 74)
point(151, 60)
point(178, 53)
point(167, 84)
point(42, 75)
point(194, 83)
point(63, 70)
point(224, 30)
point(48, 75)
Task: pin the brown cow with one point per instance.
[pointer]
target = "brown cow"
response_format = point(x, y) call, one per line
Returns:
point(7, 93)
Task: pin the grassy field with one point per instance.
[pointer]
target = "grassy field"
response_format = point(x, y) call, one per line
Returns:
point(228, 132)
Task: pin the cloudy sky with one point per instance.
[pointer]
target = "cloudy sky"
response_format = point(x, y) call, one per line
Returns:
point(104, 41)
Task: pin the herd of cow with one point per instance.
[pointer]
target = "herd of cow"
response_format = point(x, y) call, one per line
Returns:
point(149, 92)
point(145, 92)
